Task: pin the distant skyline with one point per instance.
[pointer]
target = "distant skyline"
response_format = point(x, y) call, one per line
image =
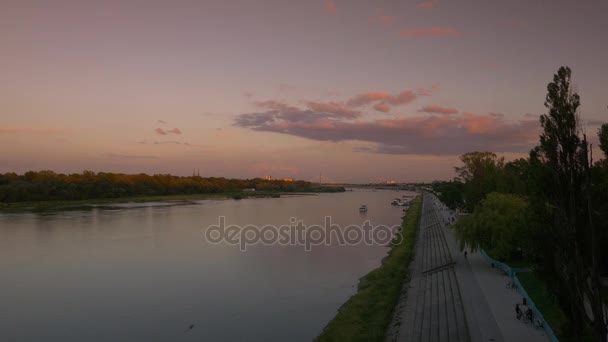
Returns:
point(355, 90)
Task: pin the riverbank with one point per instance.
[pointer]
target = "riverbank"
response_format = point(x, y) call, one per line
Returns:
point(173, 199)
point(367, 314)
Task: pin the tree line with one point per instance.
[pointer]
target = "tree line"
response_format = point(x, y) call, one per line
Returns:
point(549, 209)
point(50, 186)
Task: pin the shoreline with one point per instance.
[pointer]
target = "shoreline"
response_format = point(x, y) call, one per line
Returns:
point(368, 313)
point(58, 205)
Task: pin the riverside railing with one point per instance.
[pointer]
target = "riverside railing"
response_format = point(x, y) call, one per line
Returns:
point(512, 273)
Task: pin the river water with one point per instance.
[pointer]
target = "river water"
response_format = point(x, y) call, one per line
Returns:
point(146, 272)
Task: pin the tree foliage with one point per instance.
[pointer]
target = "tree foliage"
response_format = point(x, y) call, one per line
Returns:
point(603, 137)
point(498, 225)
point(567, 250)
point(48, 185)
point(481, 173)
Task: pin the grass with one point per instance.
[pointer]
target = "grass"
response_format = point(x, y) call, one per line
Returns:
point(367, 315)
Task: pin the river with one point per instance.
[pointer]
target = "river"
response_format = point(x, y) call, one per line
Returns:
point(146, 272)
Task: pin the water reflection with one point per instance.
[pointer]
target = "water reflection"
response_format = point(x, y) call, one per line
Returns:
point(146, 273)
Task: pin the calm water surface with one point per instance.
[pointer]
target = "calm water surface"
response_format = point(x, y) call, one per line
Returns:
point(146, 273)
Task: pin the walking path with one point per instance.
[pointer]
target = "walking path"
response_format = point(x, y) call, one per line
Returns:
point(450, 298)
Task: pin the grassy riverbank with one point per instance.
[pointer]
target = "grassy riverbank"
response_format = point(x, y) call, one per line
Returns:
point(367, 314)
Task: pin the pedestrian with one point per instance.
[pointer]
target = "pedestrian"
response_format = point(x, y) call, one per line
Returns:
point(465, 254)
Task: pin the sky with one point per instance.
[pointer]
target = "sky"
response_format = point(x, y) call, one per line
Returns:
point(357, 91)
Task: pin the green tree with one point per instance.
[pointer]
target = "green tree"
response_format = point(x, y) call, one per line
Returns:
point(481, 174)
point(603, 136)
point(567, 250)
point(498, 225)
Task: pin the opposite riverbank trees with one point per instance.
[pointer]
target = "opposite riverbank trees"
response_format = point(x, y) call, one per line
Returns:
point(50, 186)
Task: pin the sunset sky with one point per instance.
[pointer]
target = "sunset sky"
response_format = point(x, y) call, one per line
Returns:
point(359, 91)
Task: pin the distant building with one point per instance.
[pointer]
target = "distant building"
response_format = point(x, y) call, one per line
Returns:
point(269, 177)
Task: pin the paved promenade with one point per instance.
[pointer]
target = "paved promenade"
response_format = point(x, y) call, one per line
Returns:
point(450, 298)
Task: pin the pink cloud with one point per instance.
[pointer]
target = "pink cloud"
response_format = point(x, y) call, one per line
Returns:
point(427, 5)
point(384, 20)
point(480, 124)
point(404, 97)
point(31, 130)
point(160, 131)
point(329, 8)
point(337, 108)
point(431, 32)
point(366, 98)
point(434, 109)
point(382, 107)
point(436, 135)
point(175, 131)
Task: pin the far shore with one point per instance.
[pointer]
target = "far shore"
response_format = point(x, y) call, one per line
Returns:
point(173, 199)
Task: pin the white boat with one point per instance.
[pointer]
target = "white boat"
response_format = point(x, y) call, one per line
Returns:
point(399, 202)
point(363, 208)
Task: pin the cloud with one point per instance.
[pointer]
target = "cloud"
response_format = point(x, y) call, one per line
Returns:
point(126, 156)
point(366, 98)
point(427, 5)
point(32, 130)
point(329, 8)
point(434, 109)
point(384, 98)
point(530, 115)
point(170, 142)
point(332, 107)
point(274, 105)
point(161, 122)
point(382, 107)
point(431, 32)
point(437, 135)
point(161, 131)
point(384, 20)
point(404, 97)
